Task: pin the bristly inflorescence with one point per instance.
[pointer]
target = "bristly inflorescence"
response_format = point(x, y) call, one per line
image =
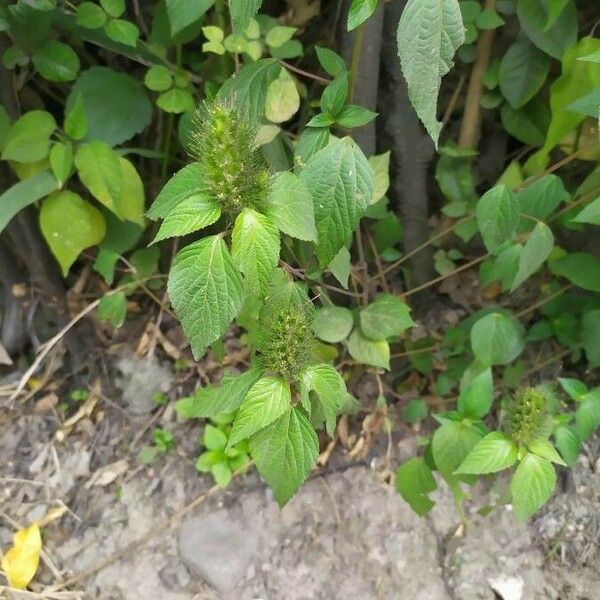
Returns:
point(529, 415)
point(286, 342)
point(233, 168)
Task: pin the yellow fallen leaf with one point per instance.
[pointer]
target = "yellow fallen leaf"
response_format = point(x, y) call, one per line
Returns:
point(22, 560)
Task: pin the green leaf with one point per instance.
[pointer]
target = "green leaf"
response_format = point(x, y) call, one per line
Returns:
point(555, 9)
point(255, 249)
point(214, 400)
point(56, 61)
point(248, 89)
point(497, 216)
point(332, 62)
point(206, 291)
point(334, 95)
point(387, 316)
point(340, 181)
point(285, 452)
point(113, 309)
point(213, 33)
point(523, 71)
point(590, 214)
point(24, 193)
point(475, 399)
point(290, 207)
point(115, 8)
point(359, 12)
point(415, 411)
point(451, 444)
point(532, 485)
point(528, 124)
point(242, 12)
point(99, 169)
point(488, 19)
point(279, 35)
point(538, 247)
point(61, 161)
point(222, 474)
point(369, 352)
point(283, 100)
point(579, 268)
point(587, 417)
point(28, 139)
point(122, 32)
point(132, 199)
point(354, 116)
point(214, 438)
point(497, 339)
point(414, 481)
point(540, 199)
point(575, 389)
point(185, 185)
point(340, 266)
point(76, 124)
point(190, 214)
point(568, 443)
point(381, 175)
point(546, 450)
point(590, 325)
point(495, 452)
point(333, 324)
point(429, 33)
point(90, 16)
point(533, 16)
point(329, 386)
point(70, 224)
point(182, 13)
point(176, 101)
point(115, 104)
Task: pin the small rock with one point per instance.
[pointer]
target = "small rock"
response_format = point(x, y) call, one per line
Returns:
point(175, 577)
point(508, 588)
point(217, 548)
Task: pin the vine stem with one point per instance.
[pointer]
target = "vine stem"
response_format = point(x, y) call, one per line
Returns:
point(354, 65)
point(299, 71)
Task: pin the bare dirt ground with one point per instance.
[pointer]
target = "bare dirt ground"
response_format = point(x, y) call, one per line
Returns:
point(346, 535)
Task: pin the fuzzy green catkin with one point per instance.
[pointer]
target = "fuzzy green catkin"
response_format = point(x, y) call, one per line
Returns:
point(233, 168)
point(286, 342)
point(528, 415)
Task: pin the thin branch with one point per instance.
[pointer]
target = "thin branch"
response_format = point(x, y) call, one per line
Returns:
point(318, 78)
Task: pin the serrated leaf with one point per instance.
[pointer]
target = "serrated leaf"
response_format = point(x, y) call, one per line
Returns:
point(532, 485)
point(497, 339)
point(290, 207)
point(265, 402)
point(242, 12)
point(497, 216)
point(414, 481)
point(369, 352)
point(451, 444)
point(332, 62)
point(332, 324)
point(475, 399)
point(255, 249)
point(206, 291)
point(214, 400)
point(285, 452)
point(535, 252)
point(340, 181)
point(429, 33)
point(587, 417)
point(191, 214)
point(568, 443)
point(495, 452)
point(329, 387)
point(70, 224)
point(387, 316)
point(546, 450)
point(359, 12)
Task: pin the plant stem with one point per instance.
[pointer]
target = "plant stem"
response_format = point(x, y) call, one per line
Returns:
point(318, 78)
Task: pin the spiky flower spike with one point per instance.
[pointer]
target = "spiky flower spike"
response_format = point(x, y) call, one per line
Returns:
point(286, 341)
point(528, 415)
point(234, 169)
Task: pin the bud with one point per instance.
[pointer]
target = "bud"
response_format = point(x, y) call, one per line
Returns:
point(528, 415)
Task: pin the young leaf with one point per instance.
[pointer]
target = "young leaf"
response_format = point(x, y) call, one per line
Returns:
point(61, 161)
point(266, 401)
point(546, 450)
point(285, 452)
point(387, 316)
point(332, 63)
point(70, 224)
point(414, 481)
point(214, 400)
point(535, 252)
point(255, 249)
point(340, 181)
point(340, 266)
point(575, 388)
point(334, 95)
point(451, 444)
point(90, 16)
point(191, 214)
point(360, 11)
point(332, 324)
point(186, 184)
point(475, 400)
point(429, 33)
point(495, 452)
point(352, 116)
point(329, 387)
point(497, 216)
point(213, 438)
point(367, 351)
point(28, 139)
point(587, 418)
point(290, 207)
point(532, 485)
point(56, 61)
point(76, 121)
point(206, 291)
point(568, 443)
point(497, 339)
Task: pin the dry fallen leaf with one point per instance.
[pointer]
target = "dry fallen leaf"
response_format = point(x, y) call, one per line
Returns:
point(21, 561)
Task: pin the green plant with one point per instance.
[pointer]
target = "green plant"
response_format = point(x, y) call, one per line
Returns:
point(164, 441)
